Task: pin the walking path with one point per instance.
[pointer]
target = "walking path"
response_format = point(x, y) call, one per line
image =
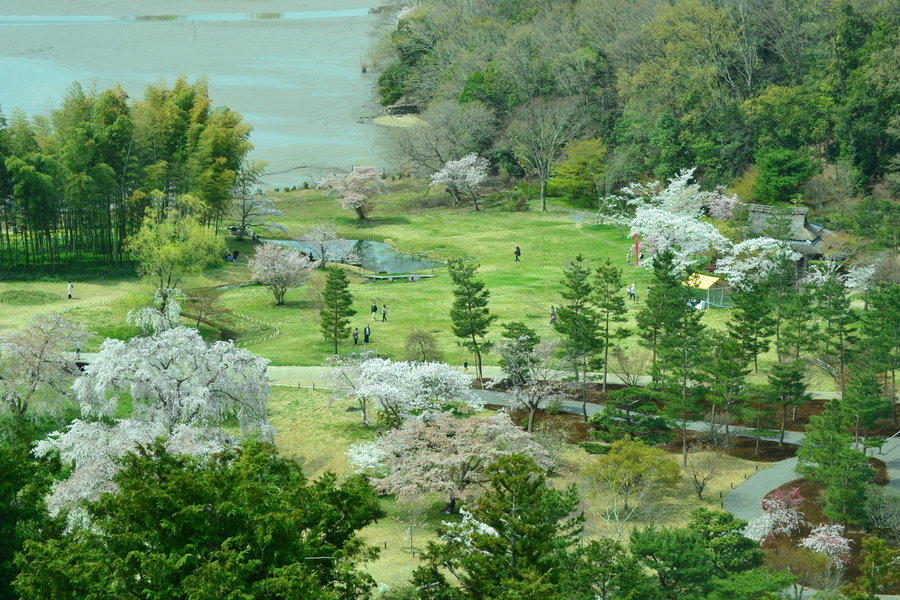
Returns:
point(742, 501)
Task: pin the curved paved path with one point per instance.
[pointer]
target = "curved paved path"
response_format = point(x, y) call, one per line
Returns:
point(743, 501)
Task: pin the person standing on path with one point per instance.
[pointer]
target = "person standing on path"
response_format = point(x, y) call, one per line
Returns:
point(518, 253)
point(374, 310)
point(356, 336)
point(552, 315)
point(366, 332)
point(384, 313)
point(465, 366)
point(70, 288)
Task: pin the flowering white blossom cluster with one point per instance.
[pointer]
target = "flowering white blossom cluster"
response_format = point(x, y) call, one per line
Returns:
point(720, 206)
point(462, 531)
point(752, 261)
point(442, 454)
point(830, 541)
point(859, 277)
point(400, 389)
point(822, 273)
point(357, 190)
point(280, 268)
point(463, 176)
point(163, 314)
point(179, 388)
point(327, 246)
point(685, 234)
point(92, 449)
point(781, 516)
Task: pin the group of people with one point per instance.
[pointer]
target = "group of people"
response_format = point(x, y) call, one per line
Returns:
point(232, 256)
point(367, 331)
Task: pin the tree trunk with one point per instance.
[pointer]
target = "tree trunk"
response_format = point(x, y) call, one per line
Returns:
point(531, 411)
point(360, 213)
point(783, 422)
point(543, 195)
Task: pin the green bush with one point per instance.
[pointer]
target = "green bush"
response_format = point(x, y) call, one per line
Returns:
point(594, 448)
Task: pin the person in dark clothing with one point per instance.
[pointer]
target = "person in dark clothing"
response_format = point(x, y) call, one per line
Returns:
point(384, 313)
point(518, 253)
point(374, 310)
point(355, 336)
point(366, 332)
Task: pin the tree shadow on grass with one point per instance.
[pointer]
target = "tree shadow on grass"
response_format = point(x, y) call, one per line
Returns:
point(382, 221)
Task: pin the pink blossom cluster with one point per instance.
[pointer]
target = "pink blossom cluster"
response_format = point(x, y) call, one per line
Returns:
point(781, 515)
point(721, 206)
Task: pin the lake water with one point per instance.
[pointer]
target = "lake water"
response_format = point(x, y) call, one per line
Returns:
point(292, 68)
point(378, 257)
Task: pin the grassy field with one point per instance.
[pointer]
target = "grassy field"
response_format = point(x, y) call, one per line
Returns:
point(316, 431)
point(412, 219)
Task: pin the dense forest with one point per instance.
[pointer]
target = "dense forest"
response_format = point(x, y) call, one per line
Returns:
point(75, 184)
point(786, 92)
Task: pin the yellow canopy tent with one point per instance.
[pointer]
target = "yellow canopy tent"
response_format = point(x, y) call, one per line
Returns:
point(711, 291)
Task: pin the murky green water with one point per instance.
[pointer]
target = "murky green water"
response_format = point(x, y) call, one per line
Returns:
point(291, 67)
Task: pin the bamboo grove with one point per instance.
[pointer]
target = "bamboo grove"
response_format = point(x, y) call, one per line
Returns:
point(75, 184)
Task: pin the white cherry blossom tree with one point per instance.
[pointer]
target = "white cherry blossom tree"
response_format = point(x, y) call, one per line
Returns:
point(280, 268)
point(356, 191)
point(174, 386)
point(399, 389)
point(752, 261)
point(444, 455)
point(687, 236)
point(32, 360)
point(463, 177)
point(326, 246)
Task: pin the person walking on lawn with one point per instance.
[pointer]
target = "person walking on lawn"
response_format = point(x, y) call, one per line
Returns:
point(366, 332)
point(384, 313)
point(356, 336)
point(374, 310)
point(518, 253)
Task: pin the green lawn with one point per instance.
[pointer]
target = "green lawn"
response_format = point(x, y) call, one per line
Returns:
point(412, 221)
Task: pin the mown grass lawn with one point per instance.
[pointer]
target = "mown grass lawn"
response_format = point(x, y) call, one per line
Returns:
point(414, 220)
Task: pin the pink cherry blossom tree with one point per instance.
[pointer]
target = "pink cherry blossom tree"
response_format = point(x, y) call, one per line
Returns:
point(356, 191)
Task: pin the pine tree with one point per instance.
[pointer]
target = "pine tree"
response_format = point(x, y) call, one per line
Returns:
point(470, 314)
point(666, 297)
point(608, 302)
point(576, 323)
point(727, 379)
point(880, 332)
point(828, 456)
point(787, 388)
point(752, 322)
point(338, 306)
point(863, 401)
point(839, 335)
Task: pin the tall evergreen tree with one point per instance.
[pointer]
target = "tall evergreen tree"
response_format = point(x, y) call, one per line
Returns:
point(839, 325)
point(863, 401)
point(880, 332)
point(787, 388)
point(470, 314)
point(828, 456)
point(338, 306)
point(520, 531)
point(751, 322)
point(576, 323)
point(726, 380)
point(608, 301)
point(665, 298)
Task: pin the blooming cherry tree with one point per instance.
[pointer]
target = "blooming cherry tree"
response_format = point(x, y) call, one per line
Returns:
point(684, 234)
point(752, 261)
point(443, 455)
point(280, 268)
point(175, 385)
point(463, 177)
point(781, 516)
point(720, 206)
point(830, 541)
point(860, 277)
point(32, 360)
point(326, 246)
point(356, 191)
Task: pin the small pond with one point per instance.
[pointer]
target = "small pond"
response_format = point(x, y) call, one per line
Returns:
point(378, 257)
